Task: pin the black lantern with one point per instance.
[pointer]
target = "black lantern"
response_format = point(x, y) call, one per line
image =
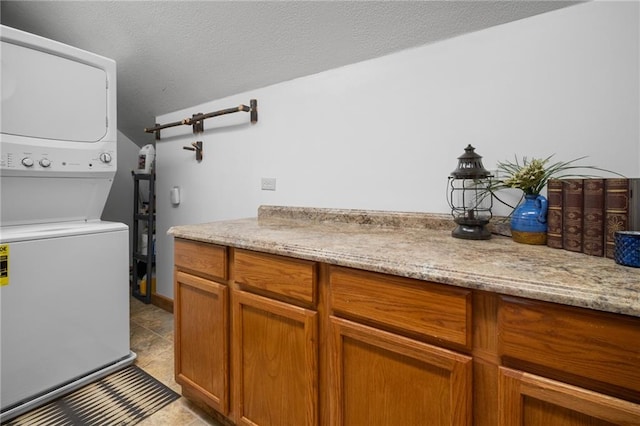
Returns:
point(469, 197)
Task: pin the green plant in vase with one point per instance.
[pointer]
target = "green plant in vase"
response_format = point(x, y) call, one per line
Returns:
point(529, 218)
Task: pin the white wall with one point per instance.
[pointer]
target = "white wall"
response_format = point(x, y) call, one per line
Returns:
point(119, 205)
point(385, 134)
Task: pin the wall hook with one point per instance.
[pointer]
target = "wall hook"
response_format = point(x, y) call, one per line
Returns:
point(197, 147)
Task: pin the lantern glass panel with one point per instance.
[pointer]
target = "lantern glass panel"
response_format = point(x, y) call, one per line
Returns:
point(470, 200)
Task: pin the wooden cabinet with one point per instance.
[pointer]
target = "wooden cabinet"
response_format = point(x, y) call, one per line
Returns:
point(275, 340)
point(201, 313)
point(272, 340)
point(380, 371)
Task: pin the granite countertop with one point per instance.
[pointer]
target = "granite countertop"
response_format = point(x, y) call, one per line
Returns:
point(420, 246)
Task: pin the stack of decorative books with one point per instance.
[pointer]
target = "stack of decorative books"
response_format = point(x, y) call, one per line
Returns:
point(584, 214)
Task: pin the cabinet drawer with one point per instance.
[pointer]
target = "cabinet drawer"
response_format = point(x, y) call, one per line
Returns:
point(417, 307)
point(295, 279)
point(205, 259)
point(590, 344)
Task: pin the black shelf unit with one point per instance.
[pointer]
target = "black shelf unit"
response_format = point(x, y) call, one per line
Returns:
point(143, 263)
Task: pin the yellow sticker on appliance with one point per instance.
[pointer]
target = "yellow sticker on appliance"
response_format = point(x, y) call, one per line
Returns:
point(4, 264)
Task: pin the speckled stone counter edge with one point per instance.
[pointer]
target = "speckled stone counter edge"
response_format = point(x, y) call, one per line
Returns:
point(396, 243)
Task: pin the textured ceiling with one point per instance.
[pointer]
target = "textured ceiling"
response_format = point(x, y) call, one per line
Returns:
point(176, 54)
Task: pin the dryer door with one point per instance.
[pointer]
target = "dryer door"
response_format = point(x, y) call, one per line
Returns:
point(51, 97)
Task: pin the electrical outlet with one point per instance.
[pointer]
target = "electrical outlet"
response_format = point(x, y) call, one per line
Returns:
point(268, 184)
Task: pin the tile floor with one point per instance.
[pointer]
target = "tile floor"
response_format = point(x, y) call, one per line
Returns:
point(152, 340)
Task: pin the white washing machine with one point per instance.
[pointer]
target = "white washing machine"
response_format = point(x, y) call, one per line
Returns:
point(64, 273)
point(64, 311)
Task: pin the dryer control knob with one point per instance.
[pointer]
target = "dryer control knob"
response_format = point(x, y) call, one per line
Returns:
point(27, 162)
point(105, 157)
point(45, 162)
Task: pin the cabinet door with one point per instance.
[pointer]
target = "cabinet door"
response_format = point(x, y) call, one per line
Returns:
point(529, 400)
point(275, 362)
point(379, 378)
point(201, 338)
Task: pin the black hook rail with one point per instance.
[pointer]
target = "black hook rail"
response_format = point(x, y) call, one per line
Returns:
point(196, 119)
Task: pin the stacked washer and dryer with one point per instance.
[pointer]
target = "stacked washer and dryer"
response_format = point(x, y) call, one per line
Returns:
point(64, 273)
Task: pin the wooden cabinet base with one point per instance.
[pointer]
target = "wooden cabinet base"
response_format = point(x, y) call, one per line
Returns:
point(266, 340)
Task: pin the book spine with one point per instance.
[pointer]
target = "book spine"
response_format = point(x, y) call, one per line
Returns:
point(572, 214)
point(634, 204)
point(593, 217)
point(616, 213)
point(554, 213)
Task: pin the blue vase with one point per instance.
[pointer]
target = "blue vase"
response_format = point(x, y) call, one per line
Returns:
point(529, 220)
